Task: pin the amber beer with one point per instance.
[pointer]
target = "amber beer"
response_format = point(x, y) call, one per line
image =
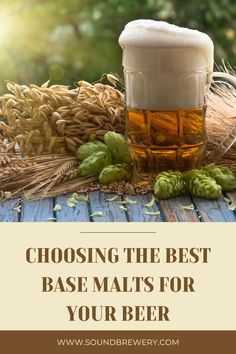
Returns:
point(167, 74)
point(163, 140)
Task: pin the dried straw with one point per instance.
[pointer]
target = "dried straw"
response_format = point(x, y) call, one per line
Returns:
point(36, 177)
point(221, 125)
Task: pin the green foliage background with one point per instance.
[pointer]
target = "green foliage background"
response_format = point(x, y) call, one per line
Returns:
point(69, 40)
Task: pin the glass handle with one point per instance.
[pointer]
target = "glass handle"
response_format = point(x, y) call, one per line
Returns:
point(224, 78)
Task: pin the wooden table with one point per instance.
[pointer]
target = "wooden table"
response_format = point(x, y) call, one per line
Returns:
point(170, 210)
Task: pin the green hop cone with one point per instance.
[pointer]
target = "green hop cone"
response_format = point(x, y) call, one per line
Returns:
point(90, 148)
point(94, 164)
point(200, 184)
point(115, 173)
point(223, 176)
point(191, 175)
point(118, 147)
point(169, 184)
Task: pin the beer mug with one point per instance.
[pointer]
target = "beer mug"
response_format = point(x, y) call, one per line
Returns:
point(168, 70)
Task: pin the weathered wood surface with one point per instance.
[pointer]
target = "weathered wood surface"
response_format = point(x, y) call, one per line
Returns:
point(6, 211)
point(111, 211)
point(136, 212)
point(216, 210)
point(232, 197)
point(79, 213)
point(181, 209)
point(176, 209)
point(37, 211)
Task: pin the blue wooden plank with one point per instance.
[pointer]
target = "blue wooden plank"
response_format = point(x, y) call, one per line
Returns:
point(37, 210)
point(214, 210)
point(170, 210)
point(232, 197)
point(111, 211)
point(136, 212)
point(79, 213)
point(7, 214)
point(173, 210)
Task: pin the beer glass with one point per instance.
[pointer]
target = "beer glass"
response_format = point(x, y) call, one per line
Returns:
point(168, 70)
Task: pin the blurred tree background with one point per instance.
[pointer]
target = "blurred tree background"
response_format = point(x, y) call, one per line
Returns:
point(69, 40)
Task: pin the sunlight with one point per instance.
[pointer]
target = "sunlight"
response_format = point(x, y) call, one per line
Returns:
point(6, 25)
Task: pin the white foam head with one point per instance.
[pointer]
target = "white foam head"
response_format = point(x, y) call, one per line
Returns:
point(166, 66)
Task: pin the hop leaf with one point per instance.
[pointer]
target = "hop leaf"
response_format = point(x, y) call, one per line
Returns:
point(90, 148)
point(118, 147)
point(168, 185)
point(200, 184)
point(94, 164)
point(118, 172)
point(223, 176)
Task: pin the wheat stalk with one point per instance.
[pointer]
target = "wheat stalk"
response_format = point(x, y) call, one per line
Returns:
point(39, 175)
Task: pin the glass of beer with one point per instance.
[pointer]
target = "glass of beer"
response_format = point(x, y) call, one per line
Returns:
point(168, 70)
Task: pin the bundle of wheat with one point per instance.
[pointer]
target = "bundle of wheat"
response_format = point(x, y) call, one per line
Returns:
point(34, 177)
point(55, 120)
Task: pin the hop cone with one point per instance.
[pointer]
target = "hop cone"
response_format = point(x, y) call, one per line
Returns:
point(191, 175)
point(90, 148)
point(118, 147)
point(223, 176)
point(118, 172)
point(168, 185)
point(94, 164)
point(201, 185)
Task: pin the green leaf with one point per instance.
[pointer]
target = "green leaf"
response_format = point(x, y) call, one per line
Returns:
point(80, 197)
point(123, 208)
point(57, 207)
point(151, 203)
point(131, 201)
point(151, 212)
point(71, 202)
point(232, 207)
point(75, 198)
point(17, 208)
point(97, 213)
point(227, 200)
point(187, 207)
point(112, 199)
